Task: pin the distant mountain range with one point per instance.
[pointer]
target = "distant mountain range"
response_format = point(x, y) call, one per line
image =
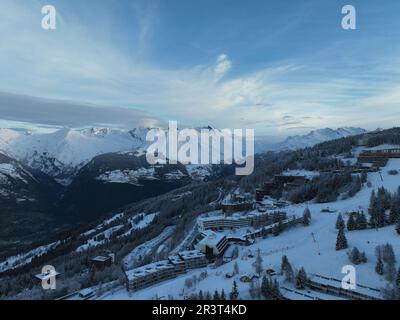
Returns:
point(76, 175)
point(308, 140)
point(62, 153)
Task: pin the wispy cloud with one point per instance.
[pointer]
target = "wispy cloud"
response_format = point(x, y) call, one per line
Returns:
point(70, 64)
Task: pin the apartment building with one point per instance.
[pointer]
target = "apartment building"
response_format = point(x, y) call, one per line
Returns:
point(156, 272)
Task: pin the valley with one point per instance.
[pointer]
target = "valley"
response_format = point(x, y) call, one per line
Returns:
point(155, 230)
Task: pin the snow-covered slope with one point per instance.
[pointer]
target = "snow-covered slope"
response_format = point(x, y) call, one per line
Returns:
point(307, 140)
point(61, 153)
point(16, 181)
point(312, 247)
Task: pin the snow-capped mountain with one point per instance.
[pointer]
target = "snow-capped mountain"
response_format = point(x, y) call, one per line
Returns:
point(113, 180)
point(26, 198)
point(60, 154)
point(63, 153)
point(308, 140)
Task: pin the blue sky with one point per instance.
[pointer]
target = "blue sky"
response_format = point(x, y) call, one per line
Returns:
point(280, 67)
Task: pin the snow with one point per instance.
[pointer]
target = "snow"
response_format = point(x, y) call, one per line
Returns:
point(315, 137)
point(199, 172)
point(136, 255)
point(318, 257)
point(304, 173)
point(128, 176)
point(10, 170)
point(104, 224)
point(174, 175)
point(26, 258)
point(146, 221)
point(70, 148)
point(94, 242)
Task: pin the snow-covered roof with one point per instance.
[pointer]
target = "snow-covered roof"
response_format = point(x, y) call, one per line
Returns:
point(101, 258)
point(44, 276)
point(191, 254)
point(85, 292)
point(148, 269)
point(211, 238)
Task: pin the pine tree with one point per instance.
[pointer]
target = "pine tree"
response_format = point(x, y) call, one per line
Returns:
point(286, 269)
point(398, 279)
point(377, 208)
point(234, 293)
point(340, 222)
point(390, 272)
point(355, 256)
point(394, 215)
point(284, 263)
point(223, 296)
point(379, 266)
point(361, 222)
point(275, 292)
point(351, 224)
point(252, 290)
point(208, 296)
point(341, 241)
point(289, 273)
point(236, 268)
point(258, 262)
point(265, 287)
point(301, 279)
point(306, 217)
point(201, 297)
point(388, 254)
point(216, 295)
point(398, 228)
point(363, 257)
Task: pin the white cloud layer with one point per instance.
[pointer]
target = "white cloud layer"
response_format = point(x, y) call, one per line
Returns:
point(70, 64)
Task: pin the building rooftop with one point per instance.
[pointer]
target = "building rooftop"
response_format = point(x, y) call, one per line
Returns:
point(86, 292)
point(235, 216)
point(44, 276)
point(100, 258)
point(211, 238)
point(148, 269)
point(176, 259)
point(192, 254)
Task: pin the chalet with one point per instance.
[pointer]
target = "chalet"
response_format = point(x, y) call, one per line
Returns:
point(249, 277)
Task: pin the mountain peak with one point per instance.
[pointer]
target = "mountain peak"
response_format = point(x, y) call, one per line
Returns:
point(317, 136)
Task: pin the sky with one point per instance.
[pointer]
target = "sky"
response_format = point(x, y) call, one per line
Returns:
point(281, 67)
